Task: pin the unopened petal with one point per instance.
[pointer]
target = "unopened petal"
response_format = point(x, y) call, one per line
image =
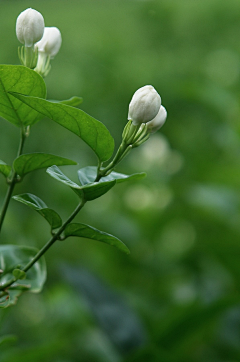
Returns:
point(144, 105)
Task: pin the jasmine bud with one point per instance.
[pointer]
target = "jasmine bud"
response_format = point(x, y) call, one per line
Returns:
point(157, 122)
point(50, 42)
point(47, 48)
point(144, 106)
point(29, 27)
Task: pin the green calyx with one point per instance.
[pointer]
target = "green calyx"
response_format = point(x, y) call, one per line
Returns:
point(43, 66)
point(133, 135)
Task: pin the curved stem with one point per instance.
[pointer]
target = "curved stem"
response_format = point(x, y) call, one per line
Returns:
point(133, 136)
point(12, 181)
point(117, 158)
point(47, 245)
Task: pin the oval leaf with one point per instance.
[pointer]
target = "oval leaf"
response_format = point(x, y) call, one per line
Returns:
point(88, 175)
point(56, 173)
point(19, 274)
point(91, 131)
point(11, 256)
point(90, 191)
point(74, 101)
point(97, 189)
point(17, 78)
point(5, 169)
point(37, 204)
point(34, 161)
point(89, 232)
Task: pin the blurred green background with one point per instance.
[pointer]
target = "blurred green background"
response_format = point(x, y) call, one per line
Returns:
point(176, 297)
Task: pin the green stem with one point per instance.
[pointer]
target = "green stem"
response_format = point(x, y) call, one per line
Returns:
point(54, 238)
point(12, 181)
point(117, 158)
point(47, 245)
point(131, 137)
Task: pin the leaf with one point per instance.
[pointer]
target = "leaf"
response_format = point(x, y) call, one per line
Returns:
point(17, 78)
point(8, 338)
point(34, 161)
point(13, 256)
point(19, 274)
point(37, 204)
point(88, 174)
point(89, 232)
point(56, 173)
point(10, 298)
point(97, 189)
point(5, 169)
point(74, 101)
point(89, 191)
point(91, 131)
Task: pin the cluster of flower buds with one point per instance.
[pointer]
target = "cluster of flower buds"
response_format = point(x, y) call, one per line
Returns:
point(40, 43)
point(146, 115)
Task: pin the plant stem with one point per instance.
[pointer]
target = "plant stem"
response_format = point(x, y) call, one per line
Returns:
point(117, 158)
point(54, 238)
point(13, 180)
point(47, 245)
point(133, 136)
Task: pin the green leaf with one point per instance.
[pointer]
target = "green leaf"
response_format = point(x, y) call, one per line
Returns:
point(90, 191)
point(88, 175)
point(12, 257)
point(91, 131)
point(8, 338)
point(74, 101)
point(17, 78)
point(97, 189)
point(10, 298)
point(19, 274)
point(58, 175)
point(34, 161)
point(5, 169)
point(89, 232)
point(37, 204)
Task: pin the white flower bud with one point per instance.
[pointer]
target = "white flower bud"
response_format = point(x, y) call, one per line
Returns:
point(144, 105)
point(29, 27)
point(156, 123)
point(50, 42)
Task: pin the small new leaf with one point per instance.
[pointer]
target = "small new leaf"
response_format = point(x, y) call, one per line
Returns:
point(5, 169)
point(19, 274)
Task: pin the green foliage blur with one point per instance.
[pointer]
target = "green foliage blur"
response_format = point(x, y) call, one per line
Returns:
point(176, 297)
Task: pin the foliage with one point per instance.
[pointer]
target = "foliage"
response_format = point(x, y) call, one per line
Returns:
point(181, 223)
